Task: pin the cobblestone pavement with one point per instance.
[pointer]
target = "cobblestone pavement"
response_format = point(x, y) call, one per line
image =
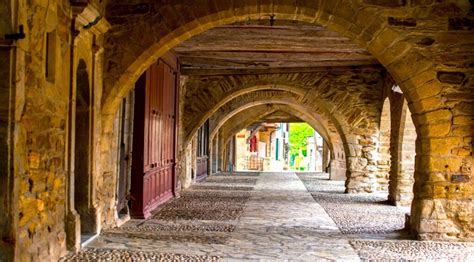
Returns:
point(355, 213)
point(269, 217)
point(376, 228)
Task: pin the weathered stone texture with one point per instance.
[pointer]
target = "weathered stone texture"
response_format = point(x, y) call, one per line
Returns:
point(402, 149)
point(418, 41)
point(426, 47)
point(41, 108)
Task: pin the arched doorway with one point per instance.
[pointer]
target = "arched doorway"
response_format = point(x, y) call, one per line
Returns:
point(83, 153)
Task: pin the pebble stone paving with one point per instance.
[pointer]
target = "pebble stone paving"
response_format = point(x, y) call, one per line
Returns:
point(270, 217)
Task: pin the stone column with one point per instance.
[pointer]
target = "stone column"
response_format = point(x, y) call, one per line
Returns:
point(214, 155)
point(326, 157)
point(362, 165)
point(443, 205)
point(221, 151)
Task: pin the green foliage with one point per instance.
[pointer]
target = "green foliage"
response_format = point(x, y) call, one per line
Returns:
point(299, 132)
point(304, 152)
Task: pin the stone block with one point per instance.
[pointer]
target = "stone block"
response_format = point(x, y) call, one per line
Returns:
point(421, 2)
point(439, 191)
point(437, 177)
point(386, 3)
point(440, 146)
point(408, 64)
point(463, 131)
point(446, 10)
point(451, 77)
point(355, 150)
point(460, 178)
point(427, 104)
point(426, 41)
point(460, 23)
point(436, 130)
point(405, 22)
point(440, 115)
point(34, 160)
point(357, 164)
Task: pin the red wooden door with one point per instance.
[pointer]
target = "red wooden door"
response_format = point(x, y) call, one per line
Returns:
point(202, 152)
point(155, 177)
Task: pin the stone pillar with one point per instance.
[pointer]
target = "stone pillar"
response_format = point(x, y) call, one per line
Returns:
point(194, 157)
point(326, 157)
point(443, 205)
point(337, 163)
point(362, 166)
point(403, 154)
point(383, 157)
point(210, 160)
point(221, 151)
point(336, 170)
point(215, 153)
point(188, 165)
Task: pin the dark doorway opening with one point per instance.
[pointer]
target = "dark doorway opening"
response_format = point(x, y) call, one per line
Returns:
point(83, 154)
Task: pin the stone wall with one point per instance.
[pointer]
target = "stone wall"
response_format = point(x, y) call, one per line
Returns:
point(40, 132)
point(41, 102)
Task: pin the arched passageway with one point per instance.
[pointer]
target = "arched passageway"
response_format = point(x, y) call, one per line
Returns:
point(381, 37)
point(245, 113)
point(425, 46)
point(274, 111)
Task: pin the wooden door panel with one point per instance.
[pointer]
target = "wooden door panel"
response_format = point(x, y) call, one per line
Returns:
point(159, 121)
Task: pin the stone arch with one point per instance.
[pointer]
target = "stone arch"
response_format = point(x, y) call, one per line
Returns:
point(196, 121)
point(420, 76)
point(235, 107)
point(83, 200)
point(236, 126)
point(322, 92)
point(251, 115)
point(313, 87)
point(316, 116)
point(384, 158)
point(356, 156)
point(345, 17)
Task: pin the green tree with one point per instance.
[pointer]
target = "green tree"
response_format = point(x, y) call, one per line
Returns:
point(299, 133)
